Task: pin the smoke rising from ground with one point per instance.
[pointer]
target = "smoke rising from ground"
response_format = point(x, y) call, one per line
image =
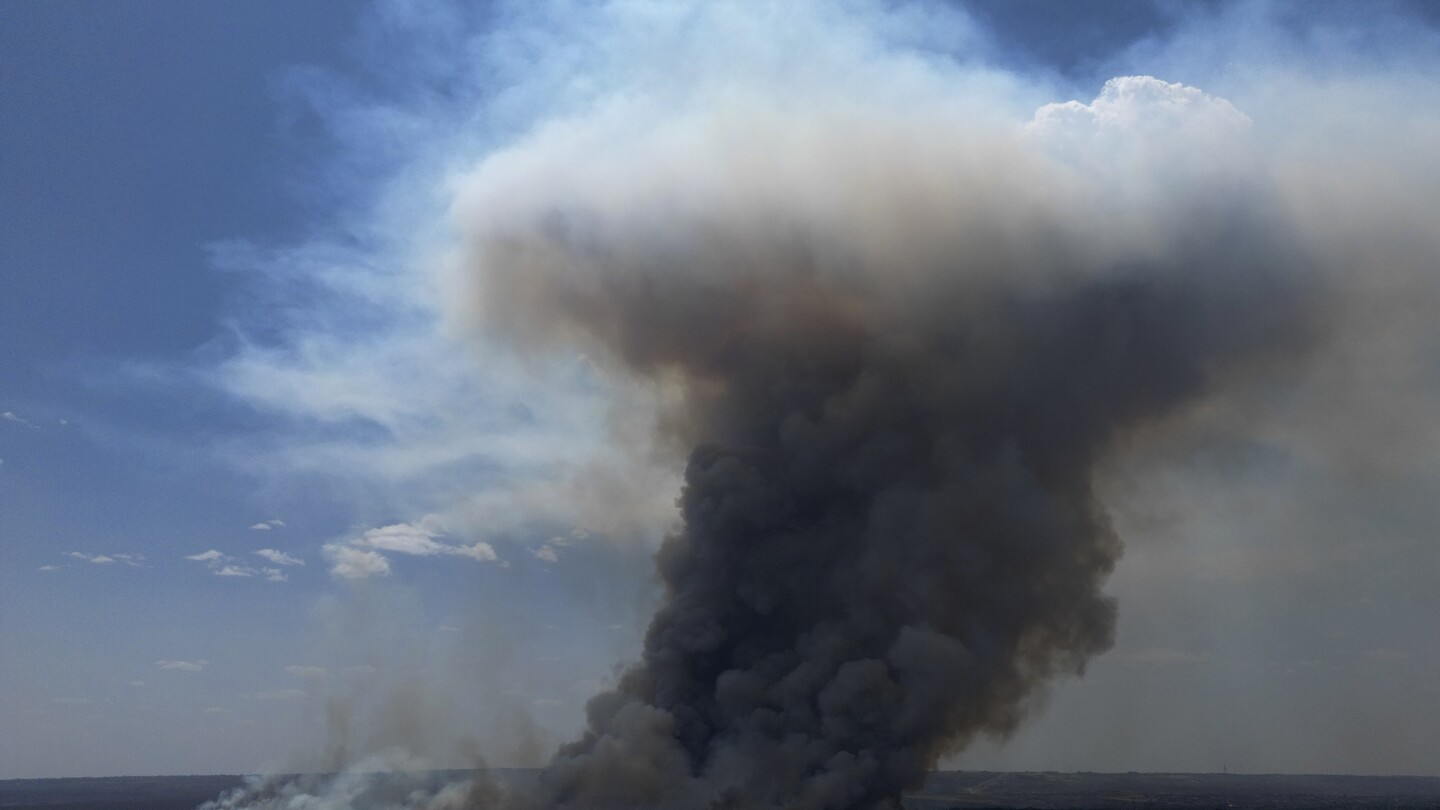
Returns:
point(902, 343)
point(895, 324)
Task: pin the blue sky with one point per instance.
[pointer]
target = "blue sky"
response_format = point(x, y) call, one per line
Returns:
point(255, 465)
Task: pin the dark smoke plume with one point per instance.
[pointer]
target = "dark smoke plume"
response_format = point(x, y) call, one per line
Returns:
point(900, 354)
point(900, 317)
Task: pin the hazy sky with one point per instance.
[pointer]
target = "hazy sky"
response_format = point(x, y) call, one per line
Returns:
point(266, 493)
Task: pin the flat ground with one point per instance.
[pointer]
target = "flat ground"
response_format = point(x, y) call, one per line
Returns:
point(947, 789)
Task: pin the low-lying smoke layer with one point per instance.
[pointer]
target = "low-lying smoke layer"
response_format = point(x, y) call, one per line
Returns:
point(902, 343)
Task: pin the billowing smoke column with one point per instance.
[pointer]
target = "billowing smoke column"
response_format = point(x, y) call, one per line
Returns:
point(898, 342)
point(890, 538)
point(896, 315)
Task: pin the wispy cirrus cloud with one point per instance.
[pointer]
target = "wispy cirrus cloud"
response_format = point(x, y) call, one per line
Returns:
point(113, 558)
point(181, 666)
point(365, 365)
point(12, 417)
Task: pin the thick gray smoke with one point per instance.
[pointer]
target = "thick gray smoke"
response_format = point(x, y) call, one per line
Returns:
point(896, 315)
point(891, 535)
point(899, 345)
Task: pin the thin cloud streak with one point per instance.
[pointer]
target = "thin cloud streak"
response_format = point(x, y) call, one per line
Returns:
point(182, 666)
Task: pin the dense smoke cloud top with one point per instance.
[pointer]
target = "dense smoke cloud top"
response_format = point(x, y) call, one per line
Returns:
point(895, 313)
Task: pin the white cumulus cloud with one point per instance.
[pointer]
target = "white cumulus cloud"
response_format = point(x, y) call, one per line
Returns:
point(98, 559)
point(402, 538)
point(224, 565)
point(279, 557)
point(352, 563)
point(420, 539)
point(482, 551)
